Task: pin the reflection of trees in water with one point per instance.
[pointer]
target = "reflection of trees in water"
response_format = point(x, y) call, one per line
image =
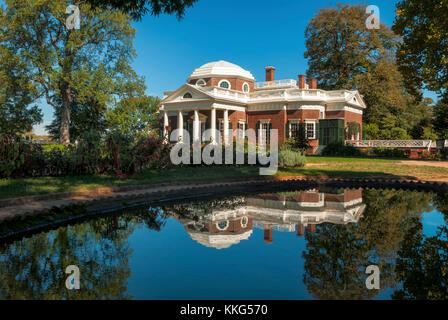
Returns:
point(422, 265)
point(337, 255)
point(34, 268)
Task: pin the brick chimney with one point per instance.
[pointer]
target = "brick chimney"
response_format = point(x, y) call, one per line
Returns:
point(270, 73)
point(268, 235)
point(300, 230)
point(301, 81)
point(312, 83)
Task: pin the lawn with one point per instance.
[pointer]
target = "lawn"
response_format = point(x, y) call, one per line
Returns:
point(317, 166)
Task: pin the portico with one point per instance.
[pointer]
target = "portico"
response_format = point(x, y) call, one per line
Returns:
point(220, 118)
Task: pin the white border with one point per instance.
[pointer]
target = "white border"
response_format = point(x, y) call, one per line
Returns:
point(224, 80)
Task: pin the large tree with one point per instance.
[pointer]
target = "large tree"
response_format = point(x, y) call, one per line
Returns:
point(84, 117)
point(138, 8)
point(134, 116)
point(66, 63)
point(423, 54)
point(339, 46)
point(441, 119)
point(16, 95)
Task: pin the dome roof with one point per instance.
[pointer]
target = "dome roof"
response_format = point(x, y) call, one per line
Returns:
point(217, 240)
point(220, 68)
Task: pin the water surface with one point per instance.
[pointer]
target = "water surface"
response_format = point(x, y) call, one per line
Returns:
point(307, 244)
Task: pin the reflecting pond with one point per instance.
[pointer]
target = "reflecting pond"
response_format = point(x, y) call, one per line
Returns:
point(308, 244)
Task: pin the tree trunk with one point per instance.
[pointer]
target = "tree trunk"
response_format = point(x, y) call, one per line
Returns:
point(64, 136)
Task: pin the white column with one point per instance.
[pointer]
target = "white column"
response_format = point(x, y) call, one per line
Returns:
point(165, 124)
point(196, 129)
point(226, 126)
point(213, 125)
point(180, 124)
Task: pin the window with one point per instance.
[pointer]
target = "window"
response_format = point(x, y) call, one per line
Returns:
point(265, 133)
point(321, 115)
point(244, 221)
point(310, 129)
point(201, 83)
point(241, 129)
point(224, 84)
point(246, 88)
point(294, 128)
point(188, 95)
point(222, 225)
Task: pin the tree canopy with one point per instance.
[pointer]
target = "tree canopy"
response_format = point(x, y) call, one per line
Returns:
point(343, 54)
point(339, 46)
point(138, 8)
point(69, 65)
point(423, 53)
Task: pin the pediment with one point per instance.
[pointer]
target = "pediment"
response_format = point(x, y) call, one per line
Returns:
point(187, 93)
point(356, 99)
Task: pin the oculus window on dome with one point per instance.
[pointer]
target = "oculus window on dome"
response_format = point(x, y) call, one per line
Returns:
point(222, 225)
point(201, 83)
point(224, 84)
point(246, 88)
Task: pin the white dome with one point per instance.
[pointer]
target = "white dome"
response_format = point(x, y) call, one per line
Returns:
point(220, 68)
point(217, 240)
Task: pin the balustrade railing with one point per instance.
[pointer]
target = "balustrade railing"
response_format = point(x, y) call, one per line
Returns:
point(389, 143)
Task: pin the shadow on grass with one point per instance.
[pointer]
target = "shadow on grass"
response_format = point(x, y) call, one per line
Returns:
point(10, 188)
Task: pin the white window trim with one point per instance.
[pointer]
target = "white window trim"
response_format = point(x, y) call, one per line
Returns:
point(314, 131)
point(222, 229)
point(244, 127)
point(201, 85)
point(246, 219)
point(291, 121)
point(186, 94)
point(248, 86)
point(219, 84)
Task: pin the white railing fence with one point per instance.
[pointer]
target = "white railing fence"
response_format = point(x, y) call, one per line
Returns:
point(276, 83)
point(389, 143)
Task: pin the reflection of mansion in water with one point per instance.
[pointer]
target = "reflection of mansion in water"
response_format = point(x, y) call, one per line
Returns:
point(298, 211)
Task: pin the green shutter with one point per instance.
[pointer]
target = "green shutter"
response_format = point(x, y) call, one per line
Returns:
point(316, 128)
point(257, 128)
point(287, 130)
point(341, 130)
point(302, 130)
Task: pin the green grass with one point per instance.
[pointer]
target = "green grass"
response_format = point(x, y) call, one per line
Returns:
point(318, 166)
point(318, 159)
point(32, 186)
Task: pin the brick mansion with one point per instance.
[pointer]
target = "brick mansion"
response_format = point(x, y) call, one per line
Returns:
point(223, 96)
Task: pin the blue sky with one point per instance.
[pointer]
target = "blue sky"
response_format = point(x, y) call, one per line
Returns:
point(251, 33)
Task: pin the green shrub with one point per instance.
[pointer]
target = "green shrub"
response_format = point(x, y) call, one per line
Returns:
point(339, 149)
point(388, 152)
point(92, 155)
point(290, 158)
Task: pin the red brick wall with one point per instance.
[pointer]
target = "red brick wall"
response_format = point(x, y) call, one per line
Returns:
point(235, 117)
point(277, 118)
point(307, 197)
point(306, 115)
point(234, 226)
